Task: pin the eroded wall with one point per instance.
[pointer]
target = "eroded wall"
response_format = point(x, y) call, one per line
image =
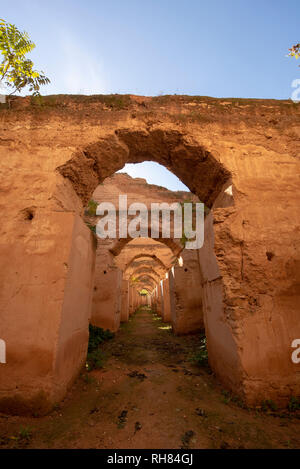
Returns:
point(125, 301)
point(187, 290)
point(45, 322)
point(52, 158)
point(107, 297)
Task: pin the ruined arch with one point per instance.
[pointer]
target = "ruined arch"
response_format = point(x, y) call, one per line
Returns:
point(146, 265)
point(149, 256)
point(144, 270)
point(148, 287)
point(171, 243)
point(90, 165)
point(251, 302)
point(145, 276)
point(178, 152)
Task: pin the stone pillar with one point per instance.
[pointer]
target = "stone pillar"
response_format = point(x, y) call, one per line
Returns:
point(154, 300)
point(125, 301)
point(167, 310)
point(131, 300)
point(45, 323)
point(135, 300)
point(172, 292)
point(188, 313)
point(159, 300)
point(138, 300)
point(161, 295)
point(106, 311)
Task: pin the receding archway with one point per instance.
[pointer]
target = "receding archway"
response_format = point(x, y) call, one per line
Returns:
point(176, 151)
point(153, 258)
point(209, 180)
point(250, 312)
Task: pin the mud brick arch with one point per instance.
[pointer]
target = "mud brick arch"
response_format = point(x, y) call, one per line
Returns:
point(239, 158)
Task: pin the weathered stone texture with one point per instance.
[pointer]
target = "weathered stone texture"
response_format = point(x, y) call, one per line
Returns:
point(240, 157)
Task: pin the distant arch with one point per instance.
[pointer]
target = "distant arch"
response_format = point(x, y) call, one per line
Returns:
point(146, 270)
point(150, 256)
point(175, 247)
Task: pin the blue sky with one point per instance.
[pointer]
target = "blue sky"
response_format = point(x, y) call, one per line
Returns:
point(221, 48)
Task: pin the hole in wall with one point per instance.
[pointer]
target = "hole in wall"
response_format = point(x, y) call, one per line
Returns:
point(270, 255)
point(28, 213)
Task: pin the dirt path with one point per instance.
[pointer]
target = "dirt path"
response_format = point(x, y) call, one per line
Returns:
point(150, 395)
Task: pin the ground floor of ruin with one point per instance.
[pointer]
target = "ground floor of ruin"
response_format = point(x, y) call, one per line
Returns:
point(151, 394)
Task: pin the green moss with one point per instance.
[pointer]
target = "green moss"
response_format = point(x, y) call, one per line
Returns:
point(95, 356)
point(228, 397)
point(200, 357)
point(97, 336)
point(92, 208)
point(268, 405)
point(25, 433)
point(95, 360)
point(294, 404)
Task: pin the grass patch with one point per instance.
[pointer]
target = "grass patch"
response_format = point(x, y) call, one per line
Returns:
point(91, 208)
point(200, 357)
point(117, 101)
point(97, 336)
point(268, 405)
point(227, 397)
point(25, 433)
point(294, 404)
point(95, 356)
point(92, 228)
point(113, 101)
point(95, 360)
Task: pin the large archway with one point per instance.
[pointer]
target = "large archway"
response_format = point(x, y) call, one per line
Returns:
point(210, 180)
point(176, 151)
point(248, 275)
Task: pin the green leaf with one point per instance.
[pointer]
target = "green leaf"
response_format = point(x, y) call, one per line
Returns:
point(16, 71)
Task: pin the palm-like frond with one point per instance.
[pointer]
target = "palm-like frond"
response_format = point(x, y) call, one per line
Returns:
point(15, 68)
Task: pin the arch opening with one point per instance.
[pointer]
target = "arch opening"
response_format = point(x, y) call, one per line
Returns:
point(209, 182)
point(249, 298)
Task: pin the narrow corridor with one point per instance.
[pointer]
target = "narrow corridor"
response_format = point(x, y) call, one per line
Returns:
point(149, 394)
